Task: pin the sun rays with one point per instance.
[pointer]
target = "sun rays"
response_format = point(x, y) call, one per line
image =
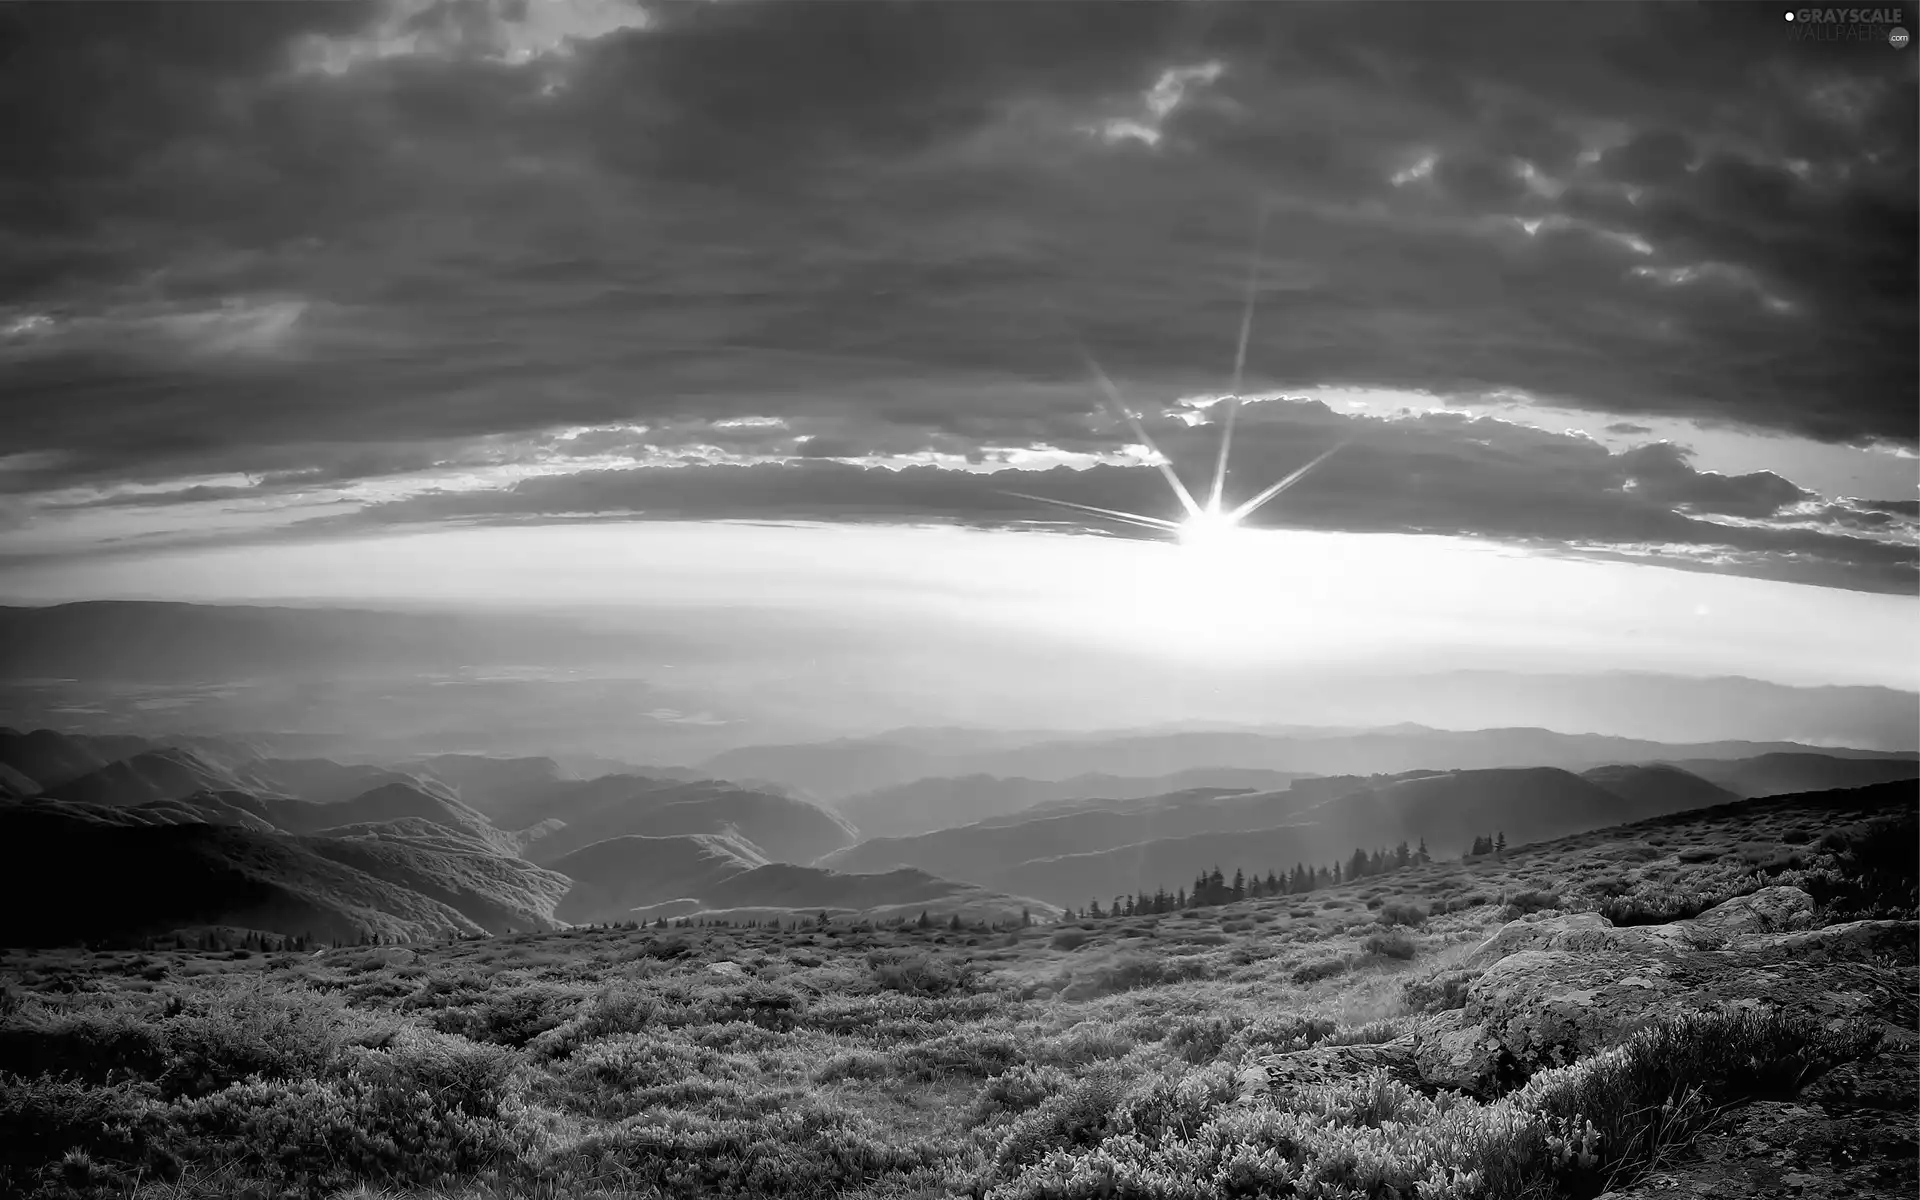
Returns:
point(1211, 525)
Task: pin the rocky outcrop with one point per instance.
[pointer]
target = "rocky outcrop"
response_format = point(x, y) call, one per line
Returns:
point(1558, 988)
point(1329, 1064)
point(1850, 1133)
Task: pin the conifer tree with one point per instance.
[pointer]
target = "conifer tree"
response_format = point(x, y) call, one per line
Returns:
point(1500, 843)
point(923, 922)
point(954, 923)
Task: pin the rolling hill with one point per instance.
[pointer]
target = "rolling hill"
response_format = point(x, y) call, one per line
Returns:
point(779, 827)
point(1786, 772)
point(844, 768)
point(944, 803)
point(1094, 853)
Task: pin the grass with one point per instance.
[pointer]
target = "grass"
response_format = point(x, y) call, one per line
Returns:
point(1105, 1058)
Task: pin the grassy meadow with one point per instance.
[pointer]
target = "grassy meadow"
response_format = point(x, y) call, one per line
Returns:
point(1105, 1058)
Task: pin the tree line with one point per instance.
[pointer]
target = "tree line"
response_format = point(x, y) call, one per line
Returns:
point(1212, 888)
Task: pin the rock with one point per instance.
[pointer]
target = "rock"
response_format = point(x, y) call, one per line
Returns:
point(1451, 1052)
point(1769, 910)
point(1548, 1007)
point(731, 970)
point(1531, 933)
point(1328, 1064)
point(1802, 1148)
point(1855, 941)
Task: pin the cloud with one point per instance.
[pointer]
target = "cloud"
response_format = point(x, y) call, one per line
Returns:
point(332, 244)
point(1437, 473)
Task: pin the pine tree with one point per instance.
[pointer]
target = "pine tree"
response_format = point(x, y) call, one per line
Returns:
point(1093, 910)
point(954, 923)
point(1500, 843)
point(1402, 855)
point(1421, 856)
point(1026, 918)
point(1239, 884)
point(923, 922)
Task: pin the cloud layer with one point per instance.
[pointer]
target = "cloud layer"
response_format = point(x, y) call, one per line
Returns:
point(329, 245)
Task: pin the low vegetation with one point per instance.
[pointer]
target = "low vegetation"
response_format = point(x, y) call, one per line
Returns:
point(1112, 1057)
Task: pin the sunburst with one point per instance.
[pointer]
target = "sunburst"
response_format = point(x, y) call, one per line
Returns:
point(1210, 524)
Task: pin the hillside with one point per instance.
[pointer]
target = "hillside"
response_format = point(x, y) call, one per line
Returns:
point(613, 877)
point(168, 773)
point(1785, 772)
point(1098, 852)
point(141, 879)
point(944, 803)
point(1408, 1026)
point(780, 827)
point(848, 767)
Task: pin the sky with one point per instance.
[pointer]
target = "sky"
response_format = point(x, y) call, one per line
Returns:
point(1610, 308)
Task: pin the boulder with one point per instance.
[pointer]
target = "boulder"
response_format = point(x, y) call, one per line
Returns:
point(1558, 988)
point(1533, 932)
point(1452, 1052)
point(1769, 910)
point(1550, 1007)
point(1329, 1064)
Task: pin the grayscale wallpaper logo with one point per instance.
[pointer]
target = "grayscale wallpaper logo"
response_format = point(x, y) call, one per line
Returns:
point(1849, 25)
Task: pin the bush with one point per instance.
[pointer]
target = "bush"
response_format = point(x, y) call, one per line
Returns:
point(920, 974)
point(1315, 971)
point(1532, 901)
point(1440, 993)
point(1389, 945)
point(1398, 913)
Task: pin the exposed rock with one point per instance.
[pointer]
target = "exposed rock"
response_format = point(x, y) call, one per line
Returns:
point(1535, 931)
point(1851, 1133)
point(1769, 910)
point(1327, 1064)
point(1451, 1052)
point(1548, 1007)
point(1558, 988)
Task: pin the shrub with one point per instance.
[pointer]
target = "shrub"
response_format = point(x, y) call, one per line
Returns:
point(509, 1017)
point(1315, 971)
point(1399, 913)
point(1535, 900)
point(1389, 945)
point(1440, 993)
point(920, 974)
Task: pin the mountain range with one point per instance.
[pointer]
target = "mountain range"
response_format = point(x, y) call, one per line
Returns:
point(148, 835)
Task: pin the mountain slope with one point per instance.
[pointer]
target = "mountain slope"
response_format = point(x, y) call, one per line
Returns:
point(613, 877)
point(944, 803)
point(1651, 789)
point(781, 827)
point(51, 758)
point(1782, 773)
point(168, 773)
point(847, 767)
point(137, 878)
point(1074, 857)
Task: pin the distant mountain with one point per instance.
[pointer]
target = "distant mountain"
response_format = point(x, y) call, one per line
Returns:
point(943, 803)
point(389, 803)
point(779, 827)
point(783, 891)
point(324, 781)
point(122, 876)
point(51, 758)
point(845, 768)
point(168, 773)
point(1655, 789)
point(1072, 857)
point(612, 878)
point(1779, 774)
point(492, 785)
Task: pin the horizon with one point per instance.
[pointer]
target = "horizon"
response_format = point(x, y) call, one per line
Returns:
point(1145, 359)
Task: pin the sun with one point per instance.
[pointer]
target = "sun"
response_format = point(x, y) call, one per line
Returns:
point(1208, 525)
point(1210, 530)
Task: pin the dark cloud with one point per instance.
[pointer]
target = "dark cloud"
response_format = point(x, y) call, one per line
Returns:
point(1437, 474)
point(884, 224)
